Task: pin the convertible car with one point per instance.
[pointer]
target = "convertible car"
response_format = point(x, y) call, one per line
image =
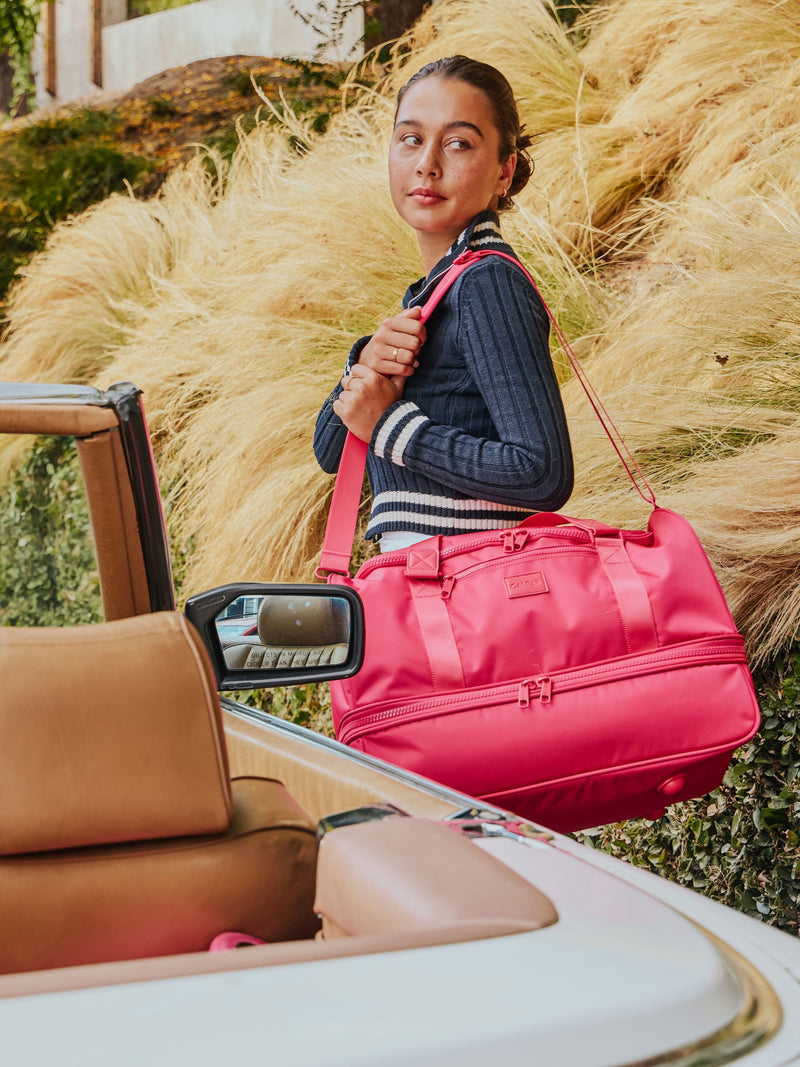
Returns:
point(184, 879)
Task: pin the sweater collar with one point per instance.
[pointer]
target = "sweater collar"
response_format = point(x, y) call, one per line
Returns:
point(483, 232)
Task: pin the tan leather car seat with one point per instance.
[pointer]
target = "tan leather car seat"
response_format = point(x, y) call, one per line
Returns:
point(294, 632)
point(122, 835)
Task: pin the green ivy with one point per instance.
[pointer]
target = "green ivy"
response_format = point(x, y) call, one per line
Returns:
point(19, 20)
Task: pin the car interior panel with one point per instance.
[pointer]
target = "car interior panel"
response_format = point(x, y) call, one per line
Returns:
point(133, 808)
point(123, 580)
point(326, 780)
point(136, 810)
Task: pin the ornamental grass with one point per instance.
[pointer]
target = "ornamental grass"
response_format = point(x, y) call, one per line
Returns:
point(662, 223)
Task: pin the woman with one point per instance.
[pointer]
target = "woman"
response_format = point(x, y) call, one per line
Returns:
point(463, 416)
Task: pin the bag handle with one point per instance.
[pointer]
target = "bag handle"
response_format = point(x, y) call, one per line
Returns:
point(340, 531)
point(555, 518)
point(625, 455)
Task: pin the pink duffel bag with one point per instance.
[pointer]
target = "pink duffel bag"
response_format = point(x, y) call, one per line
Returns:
point(569, 671)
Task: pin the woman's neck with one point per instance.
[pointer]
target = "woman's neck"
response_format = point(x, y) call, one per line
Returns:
point(432, 247)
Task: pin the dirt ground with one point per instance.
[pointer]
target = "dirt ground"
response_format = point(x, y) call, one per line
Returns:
point(166, 116)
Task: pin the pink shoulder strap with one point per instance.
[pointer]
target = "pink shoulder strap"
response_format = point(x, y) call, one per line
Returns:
point(340, 531)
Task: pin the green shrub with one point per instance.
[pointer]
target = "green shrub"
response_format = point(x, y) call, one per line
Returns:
point(152, 7)
point(54, 169)
point(84, 123)
point(305, 705)
point(162, 107)
point(48, 575)
point(74, 176)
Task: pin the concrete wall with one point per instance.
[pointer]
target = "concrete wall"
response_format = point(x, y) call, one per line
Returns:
point(138, 48)
point(73, 44)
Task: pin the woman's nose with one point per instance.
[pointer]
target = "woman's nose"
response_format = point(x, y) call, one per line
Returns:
point(428, 161)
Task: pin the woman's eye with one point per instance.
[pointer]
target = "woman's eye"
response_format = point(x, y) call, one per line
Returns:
point(458, 143)
point(411, 139)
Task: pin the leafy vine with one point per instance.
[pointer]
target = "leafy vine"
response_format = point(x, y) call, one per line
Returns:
point(19, 21)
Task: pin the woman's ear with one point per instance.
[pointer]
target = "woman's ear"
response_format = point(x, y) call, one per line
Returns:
point(507, 169)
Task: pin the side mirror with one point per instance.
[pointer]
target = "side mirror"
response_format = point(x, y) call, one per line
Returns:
point(259, 636)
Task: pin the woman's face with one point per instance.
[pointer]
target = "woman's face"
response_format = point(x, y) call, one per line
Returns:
point(444, 165)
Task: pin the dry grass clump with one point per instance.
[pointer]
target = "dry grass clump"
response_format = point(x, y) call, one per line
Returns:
point(526, 43)
point(689, 90)
point(663, 225)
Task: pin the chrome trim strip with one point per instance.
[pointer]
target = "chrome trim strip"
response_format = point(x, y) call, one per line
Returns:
point(758, 1020)
point(42, 393)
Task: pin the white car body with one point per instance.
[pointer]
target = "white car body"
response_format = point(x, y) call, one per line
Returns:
point(634, 970)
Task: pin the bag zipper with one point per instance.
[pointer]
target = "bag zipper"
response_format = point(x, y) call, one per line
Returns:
point(545, 687)
point(511, 539)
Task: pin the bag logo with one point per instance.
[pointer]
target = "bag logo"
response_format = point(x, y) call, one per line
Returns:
point(526, 584)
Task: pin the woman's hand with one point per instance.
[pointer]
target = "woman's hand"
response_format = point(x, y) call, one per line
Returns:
point(394, 347)
point(365, 396)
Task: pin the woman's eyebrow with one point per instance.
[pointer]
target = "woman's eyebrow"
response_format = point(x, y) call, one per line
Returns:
point(456, 124)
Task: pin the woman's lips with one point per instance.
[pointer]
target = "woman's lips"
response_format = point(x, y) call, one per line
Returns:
point(426, 196)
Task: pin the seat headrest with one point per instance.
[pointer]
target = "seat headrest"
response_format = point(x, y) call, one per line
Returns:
point(302, 621)
point(109, 733)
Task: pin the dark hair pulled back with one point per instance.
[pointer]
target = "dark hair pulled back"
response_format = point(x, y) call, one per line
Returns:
point(495, 87)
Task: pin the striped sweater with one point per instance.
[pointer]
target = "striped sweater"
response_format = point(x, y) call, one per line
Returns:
point(479, 438)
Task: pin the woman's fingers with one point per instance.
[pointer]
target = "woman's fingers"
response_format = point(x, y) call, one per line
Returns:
point(365, 396)
point(395, 345)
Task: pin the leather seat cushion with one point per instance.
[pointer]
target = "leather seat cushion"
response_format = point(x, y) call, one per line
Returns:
point(109, 733)
point(108, 902)
point(405, 874)
point(287, 621)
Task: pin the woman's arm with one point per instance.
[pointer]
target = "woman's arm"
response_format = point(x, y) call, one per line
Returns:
point(376, 370)
point(502, 332)
point(330, 432)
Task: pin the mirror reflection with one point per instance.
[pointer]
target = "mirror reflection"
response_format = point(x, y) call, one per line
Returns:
point(280, 632)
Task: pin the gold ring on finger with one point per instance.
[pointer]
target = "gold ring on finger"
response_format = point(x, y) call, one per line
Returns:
point(394, 353)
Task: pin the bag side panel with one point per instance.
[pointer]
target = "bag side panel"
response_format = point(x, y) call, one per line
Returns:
point(684, 592)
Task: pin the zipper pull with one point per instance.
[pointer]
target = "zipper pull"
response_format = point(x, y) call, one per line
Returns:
point(447, 586)
point(513, 540)
point(544, 686)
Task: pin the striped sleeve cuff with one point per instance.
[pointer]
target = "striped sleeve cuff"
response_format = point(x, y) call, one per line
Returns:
point(355, 352)
point(396, 429)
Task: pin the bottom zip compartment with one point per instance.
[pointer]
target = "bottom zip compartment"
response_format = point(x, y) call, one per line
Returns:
point(613, 741)
point(640, 790)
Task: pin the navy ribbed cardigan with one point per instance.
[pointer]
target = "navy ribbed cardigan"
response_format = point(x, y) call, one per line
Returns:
point(479, 439)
